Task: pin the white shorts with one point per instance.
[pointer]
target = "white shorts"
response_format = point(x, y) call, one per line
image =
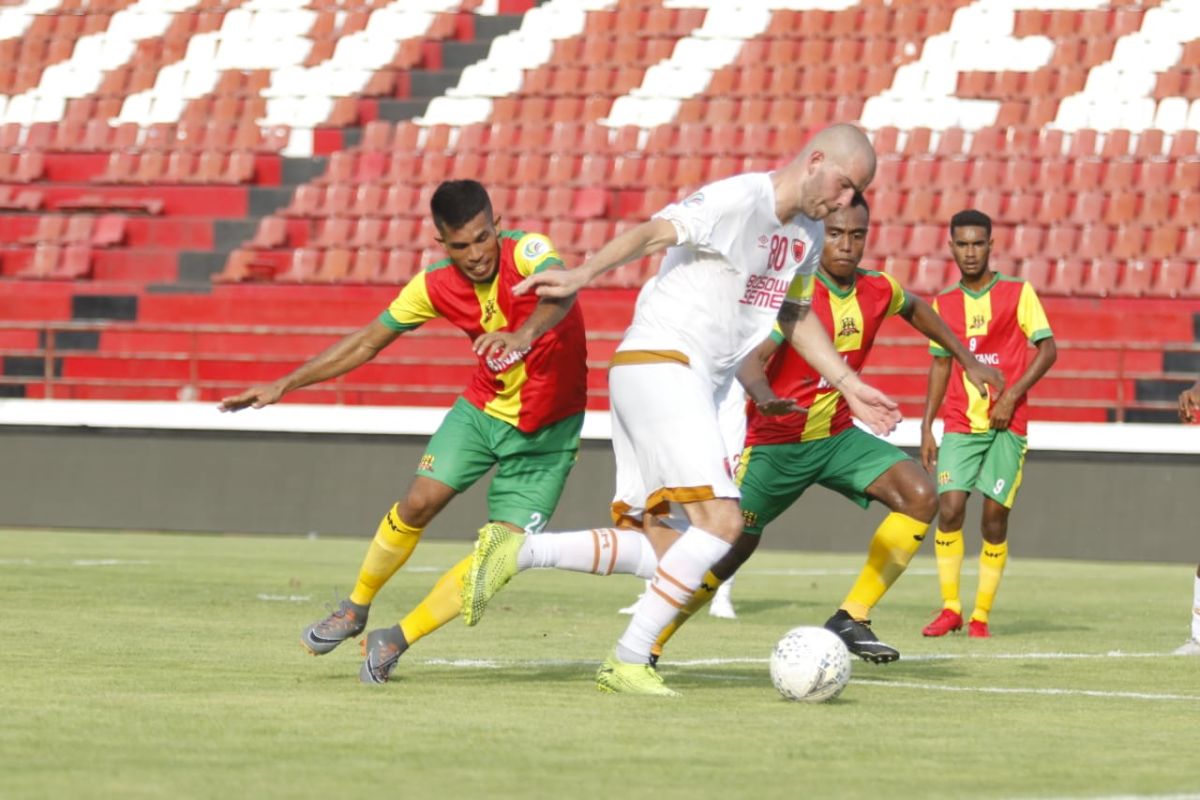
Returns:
point(667, 439)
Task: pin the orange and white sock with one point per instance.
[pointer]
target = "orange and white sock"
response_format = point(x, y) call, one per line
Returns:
point(601, 551)
point(675, 581)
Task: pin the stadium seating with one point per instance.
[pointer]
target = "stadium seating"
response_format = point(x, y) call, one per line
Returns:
point(126, 134)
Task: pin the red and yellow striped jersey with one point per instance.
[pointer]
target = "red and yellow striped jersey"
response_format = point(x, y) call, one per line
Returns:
point(851, 318)
point(530, 389)
point(997, 323)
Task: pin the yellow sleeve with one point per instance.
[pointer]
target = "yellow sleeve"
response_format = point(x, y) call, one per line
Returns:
point(900, 298)
point(801, 290)
point(535, 252)
point(412, 308)
point(936, 349)
point(1031, 316)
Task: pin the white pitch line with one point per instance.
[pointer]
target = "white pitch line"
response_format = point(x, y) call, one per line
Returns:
point(285, 598)
point(475, 663)
point(490, 663)
point(938, 687)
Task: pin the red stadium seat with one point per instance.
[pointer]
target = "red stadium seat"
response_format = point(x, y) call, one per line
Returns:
point(931, 276)
point(1134, 279)
point(1036, 271)
point(335, 265)
point(50, 229)
point(306, 202)
point(1027, 241)
point(303, 267)
point(400, 267)
point(1128, 242)
point(333, 232)
point(1067, 278)
point(1100, 278)
point(1172, 278)
point(1061, 242)
point(901, 268)
point(271, 233)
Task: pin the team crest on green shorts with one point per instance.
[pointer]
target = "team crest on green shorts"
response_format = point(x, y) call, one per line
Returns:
point(426, 464)
point(943, 478)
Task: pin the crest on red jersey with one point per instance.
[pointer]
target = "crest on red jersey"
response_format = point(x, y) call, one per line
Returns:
point(798, 249)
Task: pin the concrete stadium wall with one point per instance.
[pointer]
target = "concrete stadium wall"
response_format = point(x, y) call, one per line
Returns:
point(1072, 505)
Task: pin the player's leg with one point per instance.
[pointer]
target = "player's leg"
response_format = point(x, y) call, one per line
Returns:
point(669, 419)
point(454, 459)
point(1192, 646)
point(731, 414)
point(998, 482)
point(460, 452)
point(960, 458)
point(863, 467)
point(500, 554)
point(770, 478)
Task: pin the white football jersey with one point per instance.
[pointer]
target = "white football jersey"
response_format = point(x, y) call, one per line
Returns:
point(719, 289)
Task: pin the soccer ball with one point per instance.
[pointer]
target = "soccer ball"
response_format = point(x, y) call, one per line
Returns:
point(810, 665)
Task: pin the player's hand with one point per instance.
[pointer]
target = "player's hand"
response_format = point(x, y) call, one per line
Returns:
point(553, 283)
point(1189, 404)
point(876, 410)
point(497, 344)
point(1001, 414)
point(779, 406)
point(254, 397)
point(929, 450)
point(983, 377)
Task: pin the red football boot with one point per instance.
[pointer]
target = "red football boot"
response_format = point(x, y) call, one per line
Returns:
point(946, 621)
point(978, 630)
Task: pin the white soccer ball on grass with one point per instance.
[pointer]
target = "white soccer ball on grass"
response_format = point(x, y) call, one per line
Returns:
point(810, 664)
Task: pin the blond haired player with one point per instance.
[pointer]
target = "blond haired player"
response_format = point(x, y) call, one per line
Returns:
point(741, 255)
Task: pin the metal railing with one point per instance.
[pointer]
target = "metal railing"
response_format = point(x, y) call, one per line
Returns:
point(51, 353)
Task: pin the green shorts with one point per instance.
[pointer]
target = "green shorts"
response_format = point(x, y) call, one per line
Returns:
point(991, 462)
point(773, 476)
point(533, 467)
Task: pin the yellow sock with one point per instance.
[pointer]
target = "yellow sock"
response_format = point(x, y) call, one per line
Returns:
point(992, 559)
point(394, 542)
point(708, 587)
point(892, 547)
point(948, 547)
point(442, 604)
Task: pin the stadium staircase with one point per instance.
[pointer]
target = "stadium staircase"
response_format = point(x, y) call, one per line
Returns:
point(197, 195)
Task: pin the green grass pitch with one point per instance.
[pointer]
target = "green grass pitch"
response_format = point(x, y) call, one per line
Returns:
point(169, 666)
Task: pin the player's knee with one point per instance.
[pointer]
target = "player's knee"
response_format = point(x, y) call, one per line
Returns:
point(920, 500)
point(994, 529)
point(950, 514)
point(416, 509)
point(739, 554)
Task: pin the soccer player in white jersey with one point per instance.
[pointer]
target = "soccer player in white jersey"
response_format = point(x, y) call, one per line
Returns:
point(731, 413)
point(742, 253)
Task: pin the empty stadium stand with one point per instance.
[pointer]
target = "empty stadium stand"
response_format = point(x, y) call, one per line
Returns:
point(172, 169)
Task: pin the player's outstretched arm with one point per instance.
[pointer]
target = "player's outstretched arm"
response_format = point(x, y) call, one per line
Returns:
point(1189, 403)
point(354, 350)
point(927, 321)
point(644, 240)
point(874, 408)
point(752, 374)
point(939, 379)
point(548, 313)
point(1002, 410)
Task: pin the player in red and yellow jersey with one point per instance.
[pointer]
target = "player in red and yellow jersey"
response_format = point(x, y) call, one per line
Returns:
point(522, 411)
point(787, 451)
point(983, 445)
